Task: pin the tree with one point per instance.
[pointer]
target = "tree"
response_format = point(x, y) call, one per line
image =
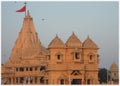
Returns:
point(103, 76)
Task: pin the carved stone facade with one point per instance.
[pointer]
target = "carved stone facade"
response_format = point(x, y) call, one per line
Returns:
point(72, 62)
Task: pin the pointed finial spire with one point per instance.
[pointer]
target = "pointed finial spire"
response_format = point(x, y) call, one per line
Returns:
point(113, 62)
point(28, 13)
point(56, 35)
point(73, 33)
point(88, 37)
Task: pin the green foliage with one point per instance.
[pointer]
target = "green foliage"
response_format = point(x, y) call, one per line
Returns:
point(103, 76)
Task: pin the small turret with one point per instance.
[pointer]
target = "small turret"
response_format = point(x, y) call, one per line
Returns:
point(88, 43)
point(73, 41)
point(56, 43)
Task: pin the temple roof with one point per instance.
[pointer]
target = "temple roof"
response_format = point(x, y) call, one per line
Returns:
point(114, 67)
point(27, 44)
point(88, 43)
point(73, 41)
point(56, 43)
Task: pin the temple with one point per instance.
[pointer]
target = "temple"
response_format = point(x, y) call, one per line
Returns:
point(67, 63)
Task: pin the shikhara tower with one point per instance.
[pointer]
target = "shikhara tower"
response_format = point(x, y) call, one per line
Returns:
point(72, 62)
point(27, 45)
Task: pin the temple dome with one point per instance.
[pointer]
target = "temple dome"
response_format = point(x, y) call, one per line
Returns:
point(56, 43)
point(88, 43)
point(73, 41)
point(113, 67)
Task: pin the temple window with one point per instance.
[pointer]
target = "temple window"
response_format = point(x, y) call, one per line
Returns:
point(42, 68)
point(91, 57)
point(30, 68)
point(26, 68)
point(76, 55)
point(35, 68)
point(21, 69)
point(58, 57)
point(16, 69)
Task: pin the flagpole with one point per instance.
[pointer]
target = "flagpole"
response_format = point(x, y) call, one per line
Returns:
point(26, 7)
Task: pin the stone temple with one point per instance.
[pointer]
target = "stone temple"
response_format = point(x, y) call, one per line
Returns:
point(73, 62)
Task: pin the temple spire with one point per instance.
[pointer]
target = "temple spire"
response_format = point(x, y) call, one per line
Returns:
point(27, 44)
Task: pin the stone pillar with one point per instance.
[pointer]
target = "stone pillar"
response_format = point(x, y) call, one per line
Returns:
point(44, 81)
point(29, 80)
point(33, 80)
point(38, 80)
point(86, 81)
point(53, 81)
point(90, 81)
point(58, 81)
point(24, 82)
point(24, 68)
point(15, 80)
point(18, 80)
point(11, 80)
point(82, 82)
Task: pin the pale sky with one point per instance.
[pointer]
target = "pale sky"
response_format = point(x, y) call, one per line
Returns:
point(99, 20)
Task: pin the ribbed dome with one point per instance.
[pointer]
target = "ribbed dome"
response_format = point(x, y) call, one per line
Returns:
point(88, 43)
point(73, 41)
point(113, 67)
point(56, 43)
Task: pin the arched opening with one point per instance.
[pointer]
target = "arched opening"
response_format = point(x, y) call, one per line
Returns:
point(62, 81)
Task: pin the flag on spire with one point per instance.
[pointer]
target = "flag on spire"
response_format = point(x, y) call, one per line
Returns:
point(23, 9)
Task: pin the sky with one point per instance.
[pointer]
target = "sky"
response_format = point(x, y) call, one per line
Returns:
point(98, 20)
